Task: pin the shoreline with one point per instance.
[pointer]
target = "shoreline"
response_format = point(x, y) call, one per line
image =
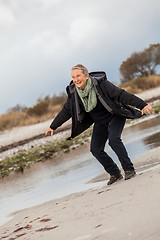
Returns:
point(95, 210)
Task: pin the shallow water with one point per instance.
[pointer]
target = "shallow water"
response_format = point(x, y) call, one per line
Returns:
point(57, 178)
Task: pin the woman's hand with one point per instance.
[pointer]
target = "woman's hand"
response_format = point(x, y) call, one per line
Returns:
point(147, 109)
point(49, 130)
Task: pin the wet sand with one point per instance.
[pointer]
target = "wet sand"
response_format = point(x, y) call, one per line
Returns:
point(125, 210)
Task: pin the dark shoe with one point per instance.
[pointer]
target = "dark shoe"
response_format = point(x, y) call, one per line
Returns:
point(114, 178)
point(129, 174)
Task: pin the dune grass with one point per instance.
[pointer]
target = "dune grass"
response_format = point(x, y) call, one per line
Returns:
point(43, 110)
point(18, 119)
point(141, 84)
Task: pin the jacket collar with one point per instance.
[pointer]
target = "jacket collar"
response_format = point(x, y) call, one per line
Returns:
point(98, 75)
point(71, 87)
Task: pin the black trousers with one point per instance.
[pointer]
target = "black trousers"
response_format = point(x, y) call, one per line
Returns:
point(111, 132)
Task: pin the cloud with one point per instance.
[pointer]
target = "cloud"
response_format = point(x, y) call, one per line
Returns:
point(47, 3)
point(42, 39)
point(48, 42)
point(82, 31)
point(7, 18)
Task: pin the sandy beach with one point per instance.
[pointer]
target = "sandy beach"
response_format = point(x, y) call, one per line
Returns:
point(125, 210)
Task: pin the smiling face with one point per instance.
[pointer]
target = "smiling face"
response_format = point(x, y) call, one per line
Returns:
point(79, 78)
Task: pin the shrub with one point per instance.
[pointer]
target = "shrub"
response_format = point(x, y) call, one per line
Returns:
point(11, 120)
point(141, 84)
point(43, 110)
point(39, 109)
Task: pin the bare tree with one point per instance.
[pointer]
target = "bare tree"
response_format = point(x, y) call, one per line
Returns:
point(143, 63)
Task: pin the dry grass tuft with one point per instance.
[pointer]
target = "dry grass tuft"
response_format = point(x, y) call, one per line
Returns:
point(42, 111)
point(141, 84)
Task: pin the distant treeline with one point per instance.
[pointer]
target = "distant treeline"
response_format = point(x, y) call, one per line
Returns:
point(42, 105)
point(44, 109)
point(141, 64)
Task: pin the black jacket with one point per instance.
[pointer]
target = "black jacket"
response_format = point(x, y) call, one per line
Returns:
point(115, 100)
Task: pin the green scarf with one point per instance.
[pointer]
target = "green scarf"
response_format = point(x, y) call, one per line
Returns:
point(88, 96)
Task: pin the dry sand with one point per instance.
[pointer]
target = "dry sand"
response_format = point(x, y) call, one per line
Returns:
point(125, 210)
point(20, 133)
point(152, 93)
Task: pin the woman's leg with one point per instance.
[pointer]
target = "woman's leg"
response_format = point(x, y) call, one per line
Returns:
point(98, 141)
point(115, 130)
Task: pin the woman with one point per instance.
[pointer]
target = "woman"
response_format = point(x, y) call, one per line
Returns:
point(93, 99)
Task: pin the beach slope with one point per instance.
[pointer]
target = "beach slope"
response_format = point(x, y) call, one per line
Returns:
point(125, 210)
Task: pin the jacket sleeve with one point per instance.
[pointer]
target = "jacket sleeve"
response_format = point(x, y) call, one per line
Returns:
point(120, 95)
point(62, 116)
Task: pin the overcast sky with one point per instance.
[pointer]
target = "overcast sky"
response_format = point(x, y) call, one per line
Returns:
point(40, 40)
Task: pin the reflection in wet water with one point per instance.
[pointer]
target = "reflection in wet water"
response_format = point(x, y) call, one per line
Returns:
point(153, 140)
point(142, 137)
point(56, 178)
